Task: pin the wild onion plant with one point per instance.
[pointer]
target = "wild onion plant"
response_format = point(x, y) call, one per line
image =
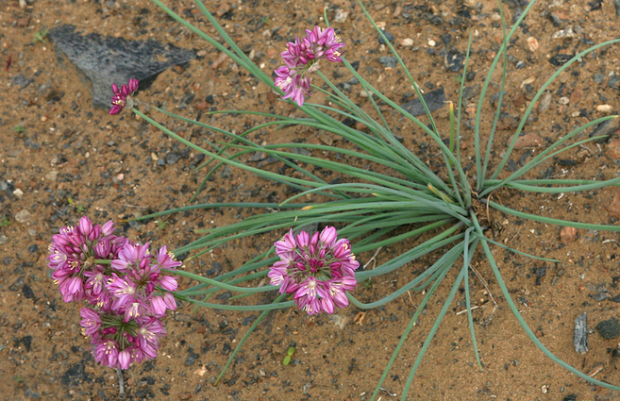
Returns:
point(394, 198)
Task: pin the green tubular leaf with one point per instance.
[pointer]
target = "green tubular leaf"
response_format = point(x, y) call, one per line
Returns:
point(408, 329)
point(219, 284)
point(242, 138)
point(544, 155)
point(221, 205)
point(432, 332)
point(485, 86)
point(542, 89)
point(436, 181)
point(560, 190)
point(482, 173)
point(413, 177)
point(259, 172)
point(445, 262)
point(526, 328)
point(245, 337)
point(550, 220)
point(408, 256)
point(403, 66)
point(464, 183)
point(244, 60)
point(517, 251)
point(239, 308)
point(467, 256)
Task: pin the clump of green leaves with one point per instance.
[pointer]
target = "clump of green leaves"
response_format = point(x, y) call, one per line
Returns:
point(4, 221)
point(40, 36)
point(396, 199)
point(289, 354)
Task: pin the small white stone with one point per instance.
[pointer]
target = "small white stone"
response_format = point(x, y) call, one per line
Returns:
point(341, 15)
point(604, 108)
point(52, 175)
point(431, 43)
point(18, 193)
point(407, 42)
point(23, 216)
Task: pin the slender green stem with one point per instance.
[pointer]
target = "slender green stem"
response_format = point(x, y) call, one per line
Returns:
point(245, 337)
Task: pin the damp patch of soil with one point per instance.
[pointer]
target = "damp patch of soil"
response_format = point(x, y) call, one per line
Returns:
point(61, 158)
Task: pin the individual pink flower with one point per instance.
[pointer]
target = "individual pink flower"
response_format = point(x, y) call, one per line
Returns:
point(318, 270)
point(122, 96)
point(91, 321)
point(302, 57)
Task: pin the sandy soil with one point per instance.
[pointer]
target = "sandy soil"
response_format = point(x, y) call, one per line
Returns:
point(62, 158)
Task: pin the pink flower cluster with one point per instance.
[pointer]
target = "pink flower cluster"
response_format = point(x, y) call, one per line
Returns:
point(122, 96)
point(118, 279)
point(317, 269)
point(302, 57)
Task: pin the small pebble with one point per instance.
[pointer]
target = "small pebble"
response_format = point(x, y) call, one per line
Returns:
point(567, 33)
point(568, 234)
point(532, 43)
point(341, 15)
point(529, 140)
point(613, 149)
point(407, 42)
point(604, 108)
point(23, 216)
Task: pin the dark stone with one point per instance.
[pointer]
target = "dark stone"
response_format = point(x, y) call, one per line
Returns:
point(617, 5)
point(560, 59)
point(540, 273)
point(595, 5)
point(454, 61)
point(104, 60)
point(33, 248)
point(434, 101)
point(388, 62)
point(191, 358)
point(215, 270)
point(173, 157)
point(27, 291)
point(580, 341)
point(26, 341)
point(223, 296)
point(471, 91)
point(609, 329)
point(75, 375)
point(21, 80)
point(599, 78)
point(389, 37)
point(613, 81)
point(605, 129)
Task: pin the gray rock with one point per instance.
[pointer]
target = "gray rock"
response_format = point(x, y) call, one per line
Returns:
point(104, 60)
point(581, 334)
point(388, 62)
point(609, 329)
point(434, 101)
point(21, 80)
point(605, 129)
point(454, 61)
point(617, 4)
point(388, 36)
